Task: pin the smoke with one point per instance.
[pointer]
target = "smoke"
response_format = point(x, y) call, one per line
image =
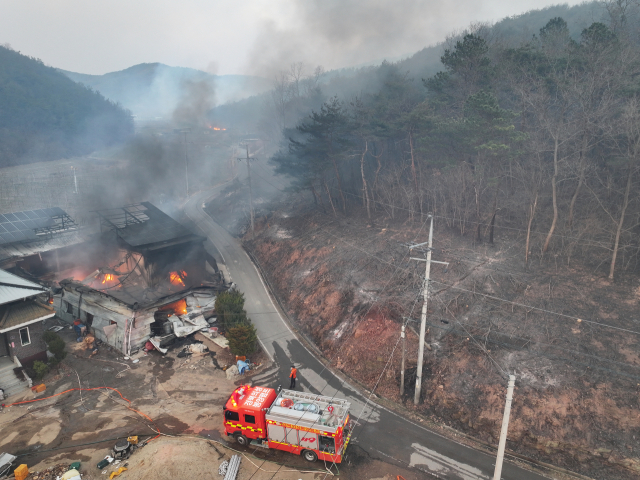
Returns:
point(197, 100)
point(341, 33)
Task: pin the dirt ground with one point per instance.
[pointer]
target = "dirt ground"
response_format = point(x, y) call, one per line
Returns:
point(183, 397)
point(343, 279)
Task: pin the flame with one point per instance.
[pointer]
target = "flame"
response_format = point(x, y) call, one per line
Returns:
point(108, 278)
point(176, 277)
point(217, 128)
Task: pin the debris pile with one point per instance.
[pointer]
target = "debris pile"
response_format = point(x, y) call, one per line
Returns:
point(50, 473)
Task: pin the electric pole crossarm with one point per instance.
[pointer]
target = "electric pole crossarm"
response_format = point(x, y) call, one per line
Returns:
point(424, 260)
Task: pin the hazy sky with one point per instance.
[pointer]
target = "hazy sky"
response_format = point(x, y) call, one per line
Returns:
point(241, 36)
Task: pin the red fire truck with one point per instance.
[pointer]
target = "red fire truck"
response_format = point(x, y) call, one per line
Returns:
point(313, 426)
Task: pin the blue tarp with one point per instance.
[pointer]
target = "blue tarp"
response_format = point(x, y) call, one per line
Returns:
point(242, 366)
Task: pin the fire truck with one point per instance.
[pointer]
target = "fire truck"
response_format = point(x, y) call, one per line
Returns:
point(314, 426)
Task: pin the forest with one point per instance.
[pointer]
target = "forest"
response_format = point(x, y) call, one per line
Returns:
point(45, 116)
point(537, 137)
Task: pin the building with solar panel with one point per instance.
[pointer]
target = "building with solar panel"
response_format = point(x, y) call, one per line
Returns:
point(30, 239)
point(142, 276)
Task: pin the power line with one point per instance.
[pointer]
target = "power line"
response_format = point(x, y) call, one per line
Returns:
point(539, 309)
point(486, 295)
point(497, 298)
point(540, 354)
point(537, 342)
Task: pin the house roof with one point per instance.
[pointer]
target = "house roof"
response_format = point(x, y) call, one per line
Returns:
point(19, 314)
point(145, 226)
point(13, 287)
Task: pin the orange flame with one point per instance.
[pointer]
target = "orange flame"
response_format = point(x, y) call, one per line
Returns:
point(176, 278)
point(108, 278)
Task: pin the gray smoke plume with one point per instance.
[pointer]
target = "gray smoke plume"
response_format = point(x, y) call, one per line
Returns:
point(340, 33)
point(197, 100)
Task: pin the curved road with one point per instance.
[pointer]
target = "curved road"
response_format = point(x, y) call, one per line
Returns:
point(381, 433)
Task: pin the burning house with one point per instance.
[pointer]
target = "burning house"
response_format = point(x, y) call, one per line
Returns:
point(145, 276)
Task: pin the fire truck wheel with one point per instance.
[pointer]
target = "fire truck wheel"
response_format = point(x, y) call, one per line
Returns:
point(310, 455)
point(241, 439)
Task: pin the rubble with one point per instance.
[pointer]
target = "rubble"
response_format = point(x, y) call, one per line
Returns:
point(51, 473)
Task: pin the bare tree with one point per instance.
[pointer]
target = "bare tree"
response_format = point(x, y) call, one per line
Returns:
point(631, 126)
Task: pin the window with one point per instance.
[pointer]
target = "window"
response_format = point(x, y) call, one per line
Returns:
point(89, 321)
point(249, 419)
point(69, 308)
point(24, 336)
point(327, 444)
point(229, 415)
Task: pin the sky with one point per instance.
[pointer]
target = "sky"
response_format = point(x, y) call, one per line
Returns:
point(257, 37)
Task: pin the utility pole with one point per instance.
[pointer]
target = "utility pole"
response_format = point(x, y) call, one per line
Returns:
point(75, 181)
point(186, 161)
point(425, 296)
point(403, 355)
point(250, 190)
point(505, 426)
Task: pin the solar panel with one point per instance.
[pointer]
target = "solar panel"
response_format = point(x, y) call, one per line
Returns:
point(22, 226)
point(144, 224)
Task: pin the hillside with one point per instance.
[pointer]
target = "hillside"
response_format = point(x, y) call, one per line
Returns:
point(152, 90)
point(525, 151)
point(44, 115)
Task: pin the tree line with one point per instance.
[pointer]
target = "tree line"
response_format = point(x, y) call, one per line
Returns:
point(540, 138)
point(44, 115)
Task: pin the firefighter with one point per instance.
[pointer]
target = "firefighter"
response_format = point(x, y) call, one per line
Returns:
point(292, 376)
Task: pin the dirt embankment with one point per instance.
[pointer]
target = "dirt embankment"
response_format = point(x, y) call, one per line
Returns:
point(349, 283)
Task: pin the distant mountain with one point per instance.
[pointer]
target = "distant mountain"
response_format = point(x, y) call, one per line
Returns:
point(152, 90)
point(46, 116)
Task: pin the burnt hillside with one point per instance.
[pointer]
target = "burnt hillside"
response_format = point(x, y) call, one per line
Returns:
point(570, 336)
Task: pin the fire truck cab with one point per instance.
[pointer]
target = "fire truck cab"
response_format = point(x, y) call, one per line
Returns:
point(305, 424)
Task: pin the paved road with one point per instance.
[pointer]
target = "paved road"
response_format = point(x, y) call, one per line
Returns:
point(382, 434)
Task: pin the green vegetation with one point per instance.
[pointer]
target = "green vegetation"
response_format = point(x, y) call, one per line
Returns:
point(56, 345)
point(40, 369)
point(233, 318)
point(44, 115)
point(230, 308)
point(243, 339)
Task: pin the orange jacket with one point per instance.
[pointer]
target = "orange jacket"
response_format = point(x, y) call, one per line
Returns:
point(293, 373)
